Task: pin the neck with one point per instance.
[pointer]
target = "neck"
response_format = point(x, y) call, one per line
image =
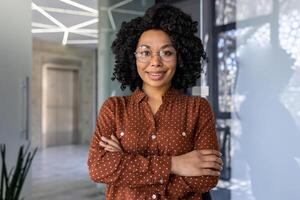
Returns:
point(155, 93)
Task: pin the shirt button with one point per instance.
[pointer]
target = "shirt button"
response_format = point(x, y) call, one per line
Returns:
point(161, 180)
point(183, 134)
point(122, 133)
point(153, 137)
point(153, 196)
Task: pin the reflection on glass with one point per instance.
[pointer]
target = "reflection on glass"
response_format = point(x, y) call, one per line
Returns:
point(111, 15)
point(227, 64)
point(268, 78)
point(228, 11)
point(259, 82)
point(225, 11)
point(228, 53)
point(289, 37)
point(259, 36)
point(223, 129)
point(247, 9)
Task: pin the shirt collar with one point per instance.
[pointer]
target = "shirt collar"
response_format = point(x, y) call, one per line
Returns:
point(138, 95)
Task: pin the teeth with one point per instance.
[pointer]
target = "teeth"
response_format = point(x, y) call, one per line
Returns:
point(156, 74)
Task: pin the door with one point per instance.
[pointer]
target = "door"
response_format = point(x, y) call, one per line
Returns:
point(60, 106)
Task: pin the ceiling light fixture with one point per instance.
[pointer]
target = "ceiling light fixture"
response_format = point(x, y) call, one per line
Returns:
point(70, 12)
point(40, 28)
point(82, 41)
point(65, 39)
point(49, 30)
point(55, 21)
point(41, 25)
point(78, 5)
point(84, 24)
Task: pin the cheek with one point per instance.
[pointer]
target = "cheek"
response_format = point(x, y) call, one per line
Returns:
point(173, 66)
point(140, 69)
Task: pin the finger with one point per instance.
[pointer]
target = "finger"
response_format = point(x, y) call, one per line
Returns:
point(211, 165)
point(210, 152)
point(111, 142)
point(111, 149)
point(212, 158)
point(108, 146)
point(114, 138)
point(103, 144)
point(210, 172)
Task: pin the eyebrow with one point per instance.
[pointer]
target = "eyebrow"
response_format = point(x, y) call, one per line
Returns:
point(164, 46)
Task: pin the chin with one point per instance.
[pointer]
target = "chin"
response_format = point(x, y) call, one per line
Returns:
point(157, 84)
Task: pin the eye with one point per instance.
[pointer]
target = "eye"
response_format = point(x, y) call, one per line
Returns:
point(145, 53)
point(167, 53)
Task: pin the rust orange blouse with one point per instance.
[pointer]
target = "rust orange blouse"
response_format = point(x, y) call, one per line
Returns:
point(181, 124)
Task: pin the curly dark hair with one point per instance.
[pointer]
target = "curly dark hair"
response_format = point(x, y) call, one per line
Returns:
point(181, 29)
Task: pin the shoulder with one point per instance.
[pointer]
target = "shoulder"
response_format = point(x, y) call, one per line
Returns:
point(200, 101)
point(115, 102)
point(196, 102)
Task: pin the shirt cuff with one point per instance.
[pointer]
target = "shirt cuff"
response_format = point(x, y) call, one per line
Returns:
point(177, 187)
point(162, 169)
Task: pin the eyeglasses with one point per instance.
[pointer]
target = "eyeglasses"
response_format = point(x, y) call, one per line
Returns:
point(144, 54)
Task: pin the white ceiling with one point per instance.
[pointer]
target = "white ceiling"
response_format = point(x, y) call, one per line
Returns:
point(76, 21)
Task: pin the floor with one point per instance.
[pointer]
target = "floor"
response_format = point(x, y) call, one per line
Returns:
point(60, 173)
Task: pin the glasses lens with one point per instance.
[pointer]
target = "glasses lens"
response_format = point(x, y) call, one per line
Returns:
point(144, 54)
point(167, 54)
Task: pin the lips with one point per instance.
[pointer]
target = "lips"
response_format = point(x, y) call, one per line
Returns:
point(156, 76)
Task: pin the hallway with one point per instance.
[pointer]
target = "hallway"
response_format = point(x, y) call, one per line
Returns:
point(60, 173)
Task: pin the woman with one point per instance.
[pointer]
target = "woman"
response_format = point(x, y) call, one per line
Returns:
point(156, 143)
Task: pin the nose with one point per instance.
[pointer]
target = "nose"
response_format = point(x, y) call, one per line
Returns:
point(155, 60)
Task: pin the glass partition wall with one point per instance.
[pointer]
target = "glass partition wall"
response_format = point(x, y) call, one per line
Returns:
point(111, 15)
point(257, 97)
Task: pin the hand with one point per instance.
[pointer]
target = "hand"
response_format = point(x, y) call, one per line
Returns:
point(197, 163)
point(111, 145)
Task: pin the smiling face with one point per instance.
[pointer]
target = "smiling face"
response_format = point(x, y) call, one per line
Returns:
point(156, 59)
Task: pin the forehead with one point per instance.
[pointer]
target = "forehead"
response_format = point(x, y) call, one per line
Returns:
point(154, 38)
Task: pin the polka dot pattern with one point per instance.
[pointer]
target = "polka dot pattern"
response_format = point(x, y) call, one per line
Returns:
point(181, 124)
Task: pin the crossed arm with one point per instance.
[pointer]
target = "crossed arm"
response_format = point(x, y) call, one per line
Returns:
point(206, 162)
point(195, 171)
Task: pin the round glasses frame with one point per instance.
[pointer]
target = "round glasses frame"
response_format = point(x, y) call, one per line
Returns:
point(161, 53)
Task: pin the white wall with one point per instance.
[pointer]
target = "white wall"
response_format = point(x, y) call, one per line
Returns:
point(15, 65)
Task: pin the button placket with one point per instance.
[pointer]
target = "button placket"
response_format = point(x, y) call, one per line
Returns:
point(122, 134)
point(161, 180)
point(152, 148)
point(153, 136)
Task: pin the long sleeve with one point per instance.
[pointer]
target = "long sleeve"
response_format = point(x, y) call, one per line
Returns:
point(122, 169)
point(206, 138)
